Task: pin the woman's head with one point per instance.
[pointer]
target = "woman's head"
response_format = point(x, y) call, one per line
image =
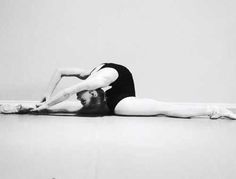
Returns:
point(91, 98)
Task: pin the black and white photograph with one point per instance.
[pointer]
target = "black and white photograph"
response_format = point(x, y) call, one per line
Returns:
point(119, 89)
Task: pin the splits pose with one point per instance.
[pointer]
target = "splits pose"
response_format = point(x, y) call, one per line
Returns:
point(109, 90)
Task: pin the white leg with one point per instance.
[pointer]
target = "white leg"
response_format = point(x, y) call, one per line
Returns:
point(147, 107)
point(64, 107)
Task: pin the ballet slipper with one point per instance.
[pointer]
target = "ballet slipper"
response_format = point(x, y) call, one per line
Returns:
point(15, 108)
point(10, 108)
point(218, 112)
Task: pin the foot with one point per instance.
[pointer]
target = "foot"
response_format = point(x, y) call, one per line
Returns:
point(219, 112)
point(10, 108)
point(15, 109)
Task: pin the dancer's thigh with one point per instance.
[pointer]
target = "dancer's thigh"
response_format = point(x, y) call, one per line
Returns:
point(137, 106)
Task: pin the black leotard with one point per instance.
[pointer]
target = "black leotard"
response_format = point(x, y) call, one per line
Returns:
point(122, 87)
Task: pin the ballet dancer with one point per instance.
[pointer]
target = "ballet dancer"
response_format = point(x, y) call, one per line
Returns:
point(109, 90)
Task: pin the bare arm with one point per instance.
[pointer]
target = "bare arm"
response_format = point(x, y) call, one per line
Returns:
point(66, 107)
point(57, 76)
point(103, 78)
point(75, 107)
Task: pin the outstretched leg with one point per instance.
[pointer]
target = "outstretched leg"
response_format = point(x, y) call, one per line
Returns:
point(148, 107)
point(64, 107)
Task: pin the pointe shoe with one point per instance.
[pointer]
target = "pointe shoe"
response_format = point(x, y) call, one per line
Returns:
point(10, 108)
point(15, 109)
point(219, 112)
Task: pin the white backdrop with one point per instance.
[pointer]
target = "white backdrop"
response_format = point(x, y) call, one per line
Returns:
point(181, 51)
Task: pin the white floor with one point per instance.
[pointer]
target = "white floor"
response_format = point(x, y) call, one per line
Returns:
point(112, 147)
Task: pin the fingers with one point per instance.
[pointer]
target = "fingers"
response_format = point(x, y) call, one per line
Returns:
point(38, 105)
point(44, 99)
point(42, 107)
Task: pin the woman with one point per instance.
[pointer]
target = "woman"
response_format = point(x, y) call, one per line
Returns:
point(118, 99)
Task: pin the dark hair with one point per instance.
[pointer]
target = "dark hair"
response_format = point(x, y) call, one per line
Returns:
point(97, 104)
point(101, 95)
point(99, 99)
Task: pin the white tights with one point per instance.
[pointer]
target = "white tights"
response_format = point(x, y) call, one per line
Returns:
point(148, 107)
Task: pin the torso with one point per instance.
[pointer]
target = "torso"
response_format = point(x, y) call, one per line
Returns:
point(121, 88)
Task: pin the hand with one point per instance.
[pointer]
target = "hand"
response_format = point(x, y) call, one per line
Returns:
point(39, 104)
point(44, 99)
point(44, 106)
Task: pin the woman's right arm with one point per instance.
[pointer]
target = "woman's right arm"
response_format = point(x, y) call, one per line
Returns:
point(101, 79)
point(62, 72)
